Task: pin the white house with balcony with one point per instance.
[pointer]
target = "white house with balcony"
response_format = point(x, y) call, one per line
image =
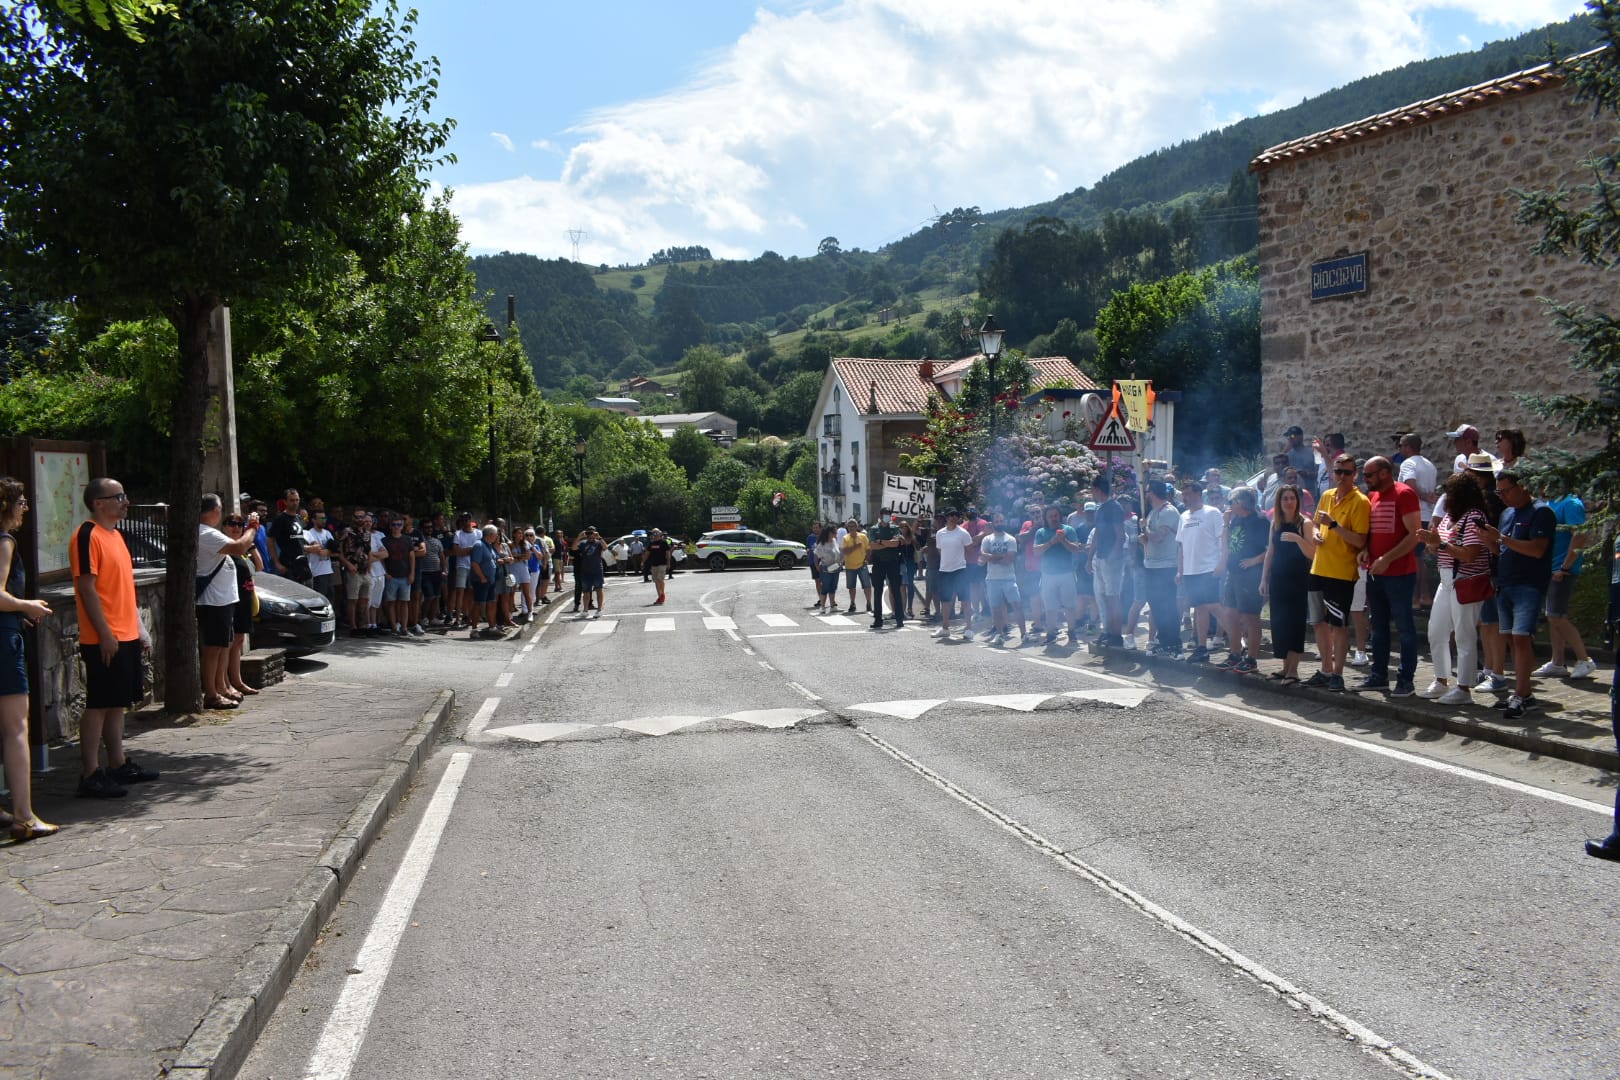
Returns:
point(869, 410)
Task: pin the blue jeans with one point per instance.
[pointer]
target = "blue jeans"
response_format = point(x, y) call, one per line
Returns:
point(1391, 595)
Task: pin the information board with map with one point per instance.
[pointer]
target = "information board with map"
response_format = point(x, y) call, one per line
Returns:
point(58, 490)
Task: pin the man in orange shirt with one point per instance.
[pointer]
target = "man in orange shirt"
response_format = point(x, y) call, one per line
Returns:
point(111, 640)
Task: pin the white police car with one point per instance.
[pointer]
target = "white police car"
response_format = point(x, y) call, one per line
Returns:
point(719, 549)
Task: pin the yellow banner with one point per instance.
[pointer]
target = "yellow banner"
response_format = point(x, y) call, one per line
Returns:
point(1137, 397)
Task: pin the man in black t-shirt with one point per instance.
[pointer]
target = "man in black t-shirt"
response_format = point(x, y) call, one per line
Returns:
point(883, 540)
point(656, 560)
point(285, 539)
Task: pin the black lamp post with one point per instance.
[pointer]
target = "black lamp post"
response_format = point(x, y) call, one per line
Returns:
point(489, 333)
point(579, 456)
point(990, 343)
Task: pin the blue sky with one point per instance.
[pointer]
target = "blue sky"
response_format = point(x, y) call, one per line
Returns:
point(769, 124)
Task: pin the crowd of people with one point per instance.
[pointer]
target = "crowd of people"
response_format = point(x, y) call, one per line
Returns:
point(1341, 549)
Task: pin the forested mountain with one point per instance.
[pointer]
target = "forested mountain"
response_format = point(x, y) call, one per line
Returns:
point(1047, 270)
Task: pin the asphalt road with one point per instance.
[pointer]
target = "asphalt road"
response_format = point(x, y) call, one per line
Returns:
point(722, 838)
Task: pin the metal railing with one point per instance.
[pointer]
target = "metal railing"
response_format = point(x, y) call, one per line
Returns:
point(146, 532)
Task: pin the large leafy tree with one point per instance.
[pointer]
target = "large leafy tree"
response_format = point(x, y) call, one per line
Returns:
point(1585, 225)
point(241, 147)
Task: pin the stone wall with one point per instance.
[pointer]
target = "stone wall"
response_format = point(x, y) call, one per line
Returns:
point(1452, 324)
point(60, 690)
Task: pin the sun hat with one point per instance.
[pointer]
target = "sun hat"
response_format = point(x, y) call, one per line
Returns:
point(1481, 463)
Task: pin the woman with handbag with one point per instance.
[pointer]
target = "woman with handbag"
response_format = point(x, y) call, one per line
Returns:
point(17, 613)
point(830, 558)
point(1465, 584)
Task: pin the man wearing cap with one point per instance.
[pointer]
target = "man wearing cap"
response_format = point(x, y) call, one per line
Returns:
point(1466, 440)
point(883, 540)
point(1524, 571)
point(1301, 457)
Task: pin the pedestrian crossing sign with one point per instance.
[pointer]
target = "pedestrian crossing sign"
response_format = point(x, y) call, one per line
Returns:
point(1112, 434)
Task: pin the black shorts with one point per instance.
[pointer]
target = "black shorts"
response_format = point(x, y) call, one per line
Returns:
point(13, 661)
point(951, 585)
point(214, 627)
point(432, 584)
point(1337, 596)
point(1242, 592)
point(242, 615)
point(116, 685)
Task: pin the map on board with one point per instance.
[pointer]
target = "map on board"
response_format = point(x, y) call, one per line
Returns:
point(59, 483)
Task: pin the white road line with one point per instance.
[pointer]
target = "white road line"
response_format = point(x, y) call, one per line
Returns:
point(659, 624)
point(475, 727)
point(504, 679)
point(1194, 698)
point(651, 614)
point(604, 626)
point(781, 622)
point(1606, 809)
point(766, 664)
point(1115, 679)
point(719, 622)
point(1296, 996)
point(345, 1029)
point(808, 633)
point(807, 694)
point(747, 651)
point(518, 659)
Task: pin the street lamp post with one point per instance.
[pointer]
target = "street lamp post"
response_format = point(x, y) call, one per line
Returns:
point(579, 456)
point(489, 333)
point(990, 343)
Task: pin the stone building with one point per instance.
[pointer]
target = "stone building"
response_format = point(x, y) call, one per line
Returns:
point(1438, 316)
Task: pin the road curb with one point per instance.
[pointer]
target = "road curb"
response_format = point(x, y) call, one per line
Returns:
point(221, 1042)
point(1416, 711)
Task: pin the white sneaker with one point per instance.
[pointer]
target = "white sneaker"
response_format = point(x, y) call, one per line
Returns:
point(1130, 641)
point(596, 614)
point(1358, 658)
point(1550, 670)
point(943, 632)
point(1457, 695)
point(967, 635)
point(1584, 669)
point(1433, 690)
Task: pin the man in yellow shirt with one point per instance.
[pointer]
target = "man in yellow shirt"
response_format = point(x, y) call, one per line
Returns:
point(1343, 519)
point(855, 546)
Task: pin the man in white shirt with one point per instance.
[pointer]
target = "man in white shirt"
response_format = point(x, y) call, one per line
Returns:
point(318, 549)
point(1202, 561)
point(953, 542)
point(216, 600)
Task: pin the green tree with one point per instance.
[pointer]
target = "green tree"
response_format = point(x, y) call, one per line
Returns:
point(789, 521)
point(705, 376)
point(679, 325)
point(719, 484)
point(1198, 333)
point(691, 450)
point(788, 411)
point(237, 149)
point(1585, 225)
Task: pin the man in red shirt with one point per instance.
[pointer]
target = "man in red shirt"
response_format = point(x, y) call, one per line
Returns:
point(1391, 574)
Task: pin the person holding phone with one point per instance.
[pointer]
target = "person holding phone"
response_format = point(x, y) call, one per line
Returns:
point(1341, 525)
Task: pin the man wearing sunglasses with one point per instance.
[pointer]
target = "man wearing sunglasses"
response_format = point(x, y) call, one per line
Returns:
point(1396, 516)
point(1343, 519)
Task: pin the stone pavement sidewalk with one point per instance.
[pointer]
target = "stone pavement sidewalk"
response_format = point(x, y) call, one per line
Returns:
point(154, 934)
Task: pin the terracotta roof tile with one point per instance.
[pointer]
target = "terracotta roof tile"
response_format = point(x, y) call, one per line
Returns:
point(1528, 81)
point(902, 390)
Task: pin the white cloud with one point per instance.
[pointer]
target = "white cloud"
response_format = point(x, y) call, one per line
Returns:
point(857, 118)
point(503, 140)
point(545, 144)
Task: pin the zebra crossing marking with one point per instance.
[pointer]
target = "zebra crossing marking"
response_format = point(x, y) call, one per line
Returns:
point(654, 625)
